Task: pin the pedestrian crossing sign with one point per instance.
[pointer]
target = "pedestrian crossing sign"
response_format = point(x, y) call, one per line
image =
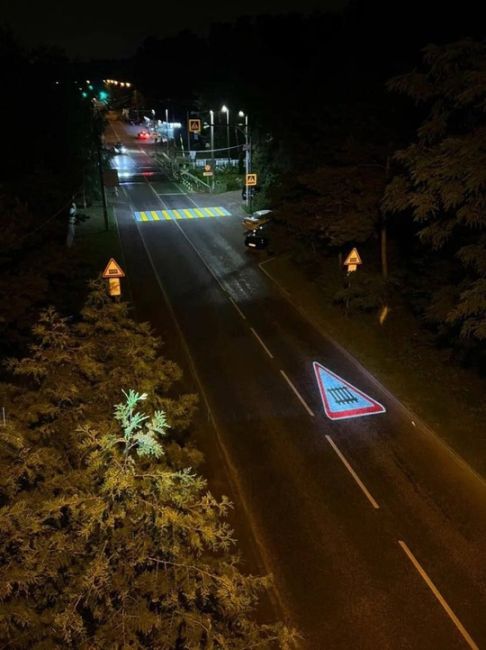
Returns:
point(251, 180)
point(195, 126)
point(340, 399)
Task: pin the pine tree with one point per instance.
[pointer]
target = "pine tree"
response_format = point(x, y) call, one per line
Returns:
point(443, 179)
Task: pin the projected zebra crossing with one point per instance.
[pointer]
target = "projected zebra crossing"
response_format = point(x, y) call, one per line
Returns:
point(181, 213)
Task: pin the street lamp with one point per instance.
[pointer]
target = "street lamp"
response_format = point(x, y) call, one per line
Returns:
point(247, 159)
point(225, 109)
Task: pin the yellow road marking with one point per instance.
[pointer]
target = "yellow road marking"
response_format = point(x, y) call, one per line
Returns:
point(220, 212)
point(208, 211)
point(199, 213)
point(178, 216)
point(166, 215)
point(155, 215)
point(144, 216)
point(188, 213)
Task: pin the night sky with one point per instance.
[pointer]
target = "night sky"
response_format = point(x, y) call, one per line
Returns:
point(105, 29)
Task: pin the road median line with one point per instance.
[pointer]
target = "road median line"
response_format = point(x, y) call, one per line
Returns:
point(296, 392)
point(420, 570)
point(346, 464)
point(262, 343)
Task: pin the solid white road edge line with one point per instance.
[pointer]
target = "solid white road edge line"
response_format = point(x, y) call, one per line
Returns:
point(438, 595)
point(302, 400)
point(363, 487)
point(261, 343)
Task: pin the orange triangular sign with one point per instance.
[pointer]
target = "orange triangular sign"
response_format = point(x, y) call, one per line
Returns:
point(353, 258)
point(113, 270)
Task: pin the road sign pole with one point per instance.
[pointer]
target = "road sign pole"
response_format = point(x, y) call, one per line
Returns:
point(188, 138)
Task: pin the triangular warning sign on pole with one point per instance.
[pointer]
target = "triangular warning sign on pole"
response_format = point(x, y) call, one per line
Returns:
point(342, 400)
point(353, 258)
point(113, 270)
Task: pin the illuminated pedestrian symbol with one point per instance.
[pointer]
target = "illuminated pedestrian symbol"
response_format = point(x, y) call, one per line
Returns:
point(195, 126)
point(342, 400)
point(251, 180)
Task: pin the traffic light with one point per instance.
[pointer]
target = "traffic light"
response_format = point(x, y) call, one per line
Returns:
point(103, 95)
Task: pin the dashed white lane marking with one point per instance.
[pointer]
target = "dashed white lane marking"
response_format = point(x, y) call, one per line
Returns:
point(299, 396)
point(262, 343)
point(465, 634)
point(352, 472)
point(237, 308)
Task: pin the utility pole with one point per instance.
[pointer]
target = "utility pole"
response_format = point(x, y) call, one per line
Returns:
point(383, 233)
point(247, 163)
point(102, 185)
point(211, 127)
point(97, 132)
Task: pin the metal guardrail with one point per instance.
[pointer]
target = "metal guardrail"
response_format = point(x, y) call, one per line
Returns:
point(190, 181)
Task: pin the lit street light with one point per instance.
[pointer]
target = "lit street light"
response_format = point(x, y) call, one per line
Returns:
point(225, 109)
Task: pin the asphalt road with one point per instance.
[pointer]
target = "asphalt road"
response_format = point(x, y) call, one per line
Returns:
point(375, 533)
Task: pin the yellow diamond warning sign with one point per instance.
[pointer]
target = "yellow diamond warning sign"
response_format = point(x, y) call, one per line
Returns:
point(251, 180)
point(195, 126)
point(113, 270)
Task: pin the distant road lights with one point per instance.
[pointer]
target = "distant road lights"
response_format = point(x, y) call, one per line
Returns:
point(241, 114)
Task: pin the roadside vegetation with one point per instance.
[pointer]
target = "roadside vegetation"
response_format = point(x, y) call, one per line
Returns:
point(109, 536)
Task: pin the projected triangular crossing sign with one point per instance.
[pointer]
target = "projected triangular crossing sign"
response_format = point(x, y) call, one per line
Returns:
point(342, 400)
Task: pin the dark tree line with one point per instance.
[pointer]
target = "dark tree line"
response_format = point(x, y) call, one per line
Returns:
point(48, 157)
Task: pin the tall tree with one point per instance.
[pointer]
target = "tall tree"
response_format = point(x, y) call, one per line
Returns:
point(108, 538)
point(442, 183)
point(118, 549)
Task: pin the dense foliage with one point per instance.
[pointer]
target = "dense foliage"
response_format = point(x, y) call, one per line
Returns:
point(443, 182)
point(108, 537)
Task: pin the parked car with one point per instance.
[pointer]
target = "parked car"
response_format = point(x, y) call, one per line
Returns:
point(143, 135)
point(256, 239)
point(258, 218)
